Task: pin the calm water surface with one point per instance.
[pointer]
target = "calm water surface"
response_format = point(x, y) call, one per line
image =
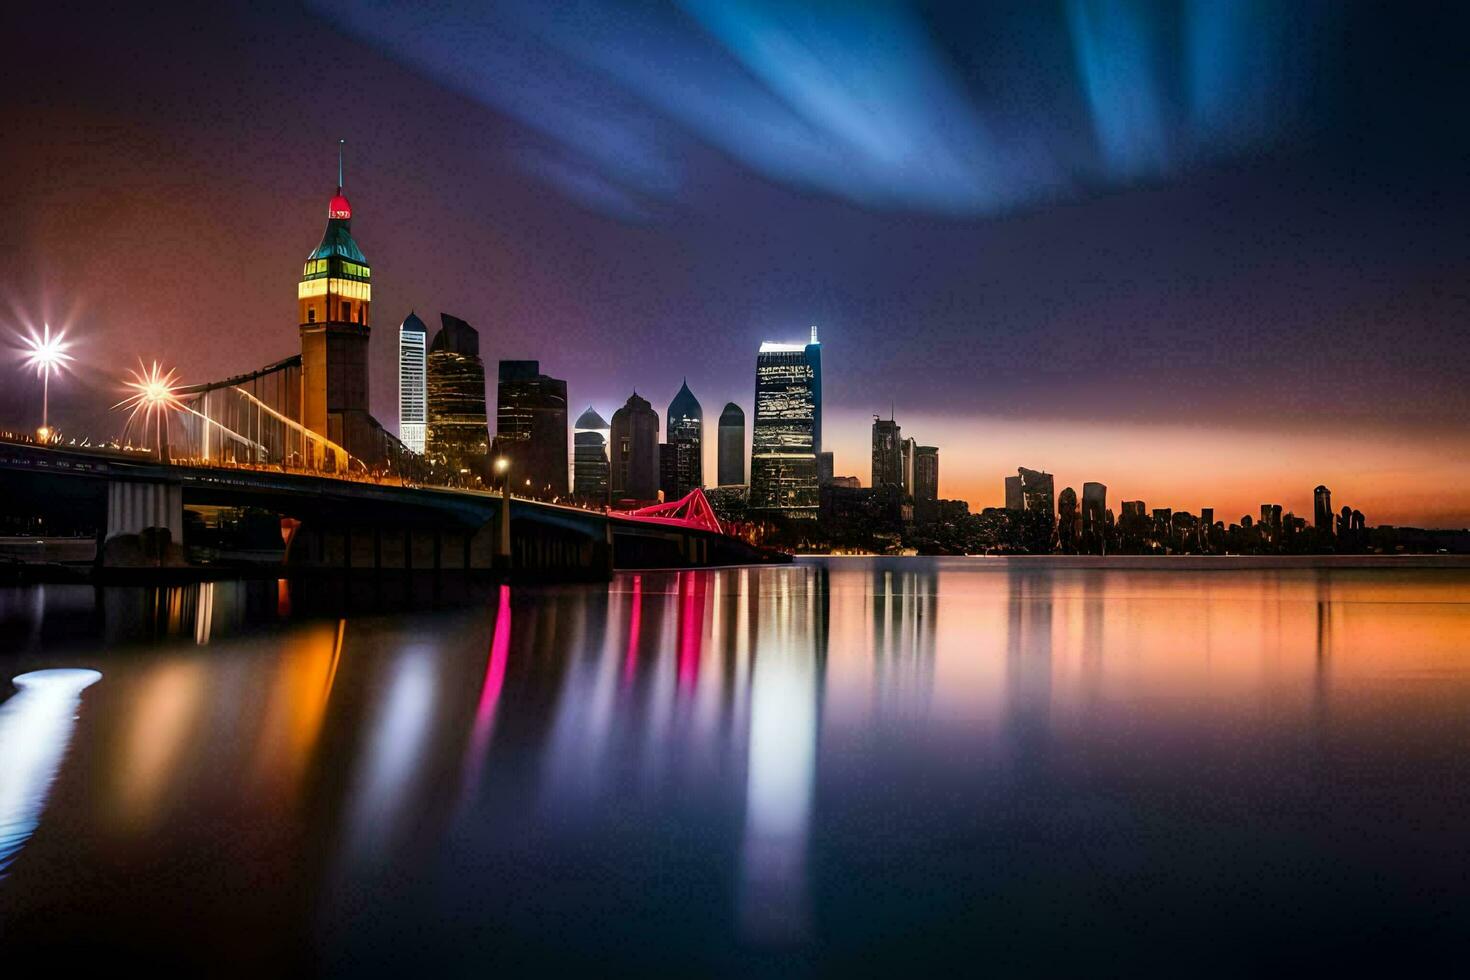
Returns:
point(845, 766)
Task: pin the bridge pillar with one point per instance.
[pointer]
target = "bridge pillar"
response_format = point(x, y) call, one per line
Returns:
point(133, 510)
point(133, 507)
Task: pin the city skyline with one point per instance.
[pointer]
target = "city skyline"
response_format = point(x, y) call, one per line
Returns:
point(338, 246)
point(1198, 335)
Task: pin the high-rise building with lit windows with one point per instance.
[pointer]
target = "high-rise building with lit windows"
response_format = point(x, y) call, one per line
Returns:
point(684, 439)
point(413, 407)
point(908, 446)
point(589, 460)
point(787, 435)
point(531, 428)
point(457, 436)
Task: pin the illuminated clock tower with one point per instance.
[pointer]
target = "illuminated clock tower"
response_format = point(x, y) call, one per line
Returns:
point(333, 300)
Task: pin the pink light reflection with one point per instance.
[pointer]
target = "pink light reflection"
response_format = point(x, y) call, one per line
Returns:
point(489, 695)
point(689, 630)
point(635, 621)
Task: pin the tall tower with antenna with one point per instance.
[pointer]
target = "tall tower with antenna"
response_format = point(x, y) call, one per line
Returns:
point(333, 301)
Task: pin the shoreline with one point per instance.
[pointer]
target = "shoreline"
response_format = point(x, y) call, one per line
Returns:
point(1184, 562)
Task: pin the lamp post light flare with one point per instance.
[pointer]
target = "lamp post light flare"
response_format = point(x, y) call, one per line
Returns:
point(153, 394)
point(502, 466)
point(46, 353)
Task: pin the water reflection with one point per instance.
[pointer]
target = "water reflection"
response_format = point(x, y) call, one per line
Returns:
point(771, 759)
point(35, 729)
point(392, 761)
point(781, 769)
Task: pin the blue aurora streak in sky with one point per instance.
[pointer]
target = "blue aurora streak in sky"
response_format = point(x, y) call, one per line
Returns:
point(890, 106)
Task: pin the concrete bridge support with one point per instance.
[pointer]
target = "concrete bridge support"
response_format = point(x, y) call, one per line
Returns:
point(145, 524)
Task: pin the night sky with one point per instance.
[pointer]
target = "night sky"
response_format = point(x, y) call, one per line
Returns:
point(1208, 253)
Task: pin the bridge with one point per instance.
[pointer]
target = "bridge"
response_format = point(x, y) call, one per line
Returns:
point(353, 521)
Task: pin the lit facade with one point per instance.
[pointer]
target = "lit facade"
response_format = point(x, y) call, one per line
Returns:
point(788, 429)
point(458, 433)
point(589, 458)
point(413, 392)
point(531, 428)
point(907, 451)
point(681, 462)
point(333, 299)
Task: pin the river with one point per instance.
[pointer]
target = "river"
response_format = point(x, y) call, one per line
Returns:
point(843, 766)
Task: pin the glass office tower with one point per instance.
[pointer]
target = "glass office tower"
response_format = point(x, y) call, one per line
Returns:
point(787, 435)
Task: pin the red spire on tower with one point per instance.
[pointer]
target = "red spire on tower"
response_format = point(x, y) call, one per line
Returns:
point(339, 208)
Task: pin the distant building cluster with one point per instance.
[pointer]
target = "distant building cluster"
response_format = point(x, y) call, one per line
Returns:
point(1034, 522)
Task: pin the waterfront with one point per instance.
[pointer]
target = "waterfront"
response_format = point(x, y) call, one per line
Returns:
point(843, 765)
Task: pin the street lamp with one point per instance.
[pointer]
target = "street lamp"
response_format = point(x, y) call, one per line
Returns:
point(502, 549)
point(153, 394)
point(46, 354)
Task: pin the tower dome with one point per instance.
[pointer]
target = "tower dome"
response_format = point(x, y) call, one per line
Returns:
point(590, 419)
point(685, 405)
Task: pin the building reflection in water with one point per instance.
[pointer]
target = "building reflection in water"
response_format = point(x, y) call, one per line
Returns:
point(904, 633)
point(686, 678)
point(785, 696)
point(1029, 664)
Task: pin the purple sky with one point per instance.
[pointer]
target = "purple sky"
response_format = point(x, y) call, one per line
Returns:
point(1008, 224)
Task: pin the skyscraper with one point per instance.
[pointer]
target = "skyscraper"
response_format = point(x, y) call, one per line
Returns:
point(684, 437)
point(531, 428)
point(926, 483)
point(731, 469)
point(825, 466)
point(887, 455)
point(1069, 521)
point(1322, 509)
point(1015, 499)
point(332, 299)
point(458, 432)
point(1094, 509)
point(788, 429)
point(413, 392)
point(589, 462)
point(1037, 491)
point(635, 453)
point(906, 451)
point(926, 474)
